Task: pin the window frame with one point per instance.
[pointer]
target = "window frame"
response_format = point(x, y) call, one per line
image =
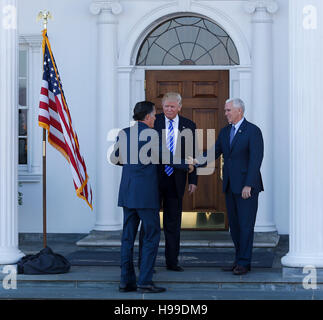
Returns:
point(24, 167)
point(32, 171)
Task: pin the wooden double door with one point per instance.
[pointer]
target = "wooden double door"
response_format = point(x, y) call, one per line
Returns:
point(203, 98)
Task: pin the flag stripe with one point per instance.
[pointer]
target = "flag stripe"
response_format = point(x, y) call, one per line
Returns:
point(55, 117)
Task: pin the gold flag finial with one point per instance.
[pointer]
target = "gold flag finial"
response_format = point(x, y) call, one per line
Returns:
point(45, 15)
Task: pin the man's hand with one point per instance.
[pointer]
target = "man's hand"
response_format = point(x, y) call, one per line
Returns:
point(246, 192)
point(190, 168)
point(191, 161)
point(191, 188)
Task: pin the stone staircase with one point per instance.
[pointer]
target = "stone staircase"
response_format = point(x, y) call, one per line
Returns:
point(195, 283)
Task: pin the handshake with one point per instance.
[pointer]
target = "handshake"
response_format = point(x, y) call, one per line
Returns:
point(191, 163)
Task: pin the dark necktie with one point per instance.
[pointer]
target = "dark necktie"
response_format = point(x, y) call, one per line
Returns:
point(232, 133)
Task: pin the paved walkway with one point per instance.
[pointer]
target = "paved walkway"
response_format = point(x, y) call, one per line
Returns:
point(195, 283)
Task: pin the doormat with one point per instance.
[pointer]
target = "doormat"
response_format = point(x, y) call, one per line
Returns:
point(260, 259)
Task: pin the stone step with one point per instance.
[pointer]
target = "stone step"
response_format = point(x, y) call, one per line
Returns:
point(174, 294)
point(106, 275)
point(194, 283)
point(211, 239)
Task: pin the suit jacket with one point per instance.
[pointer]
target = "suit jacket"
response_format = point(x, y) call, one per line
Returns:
point(179, 175)
point(139, 182)
point(139, 186)
point(243, 159)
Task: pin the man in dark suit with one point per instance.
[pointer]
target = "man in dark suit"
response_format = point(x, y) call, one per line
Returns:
point(242, 146)
point(172, 181)
point(139, 197)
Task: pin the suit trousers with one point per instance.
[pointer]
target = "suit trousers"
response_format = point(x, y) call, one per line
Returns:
point(172, 218)
point(150, 242)
point(242, 217)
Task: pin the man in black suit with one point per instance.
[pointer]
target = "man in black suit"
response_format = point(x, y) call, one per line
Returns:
point(172, 181)
point(242, 146)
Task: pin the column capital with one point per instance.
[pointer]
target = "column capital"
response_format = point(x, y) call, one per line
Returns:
point(269, 6)
point(112, 6)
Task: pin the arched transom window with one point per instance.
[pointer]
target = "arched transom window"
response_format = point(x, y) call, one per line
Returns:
point(188, 41)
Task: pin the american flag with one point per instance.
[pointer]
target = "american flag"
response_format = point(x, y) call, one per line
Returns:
point(55, 117)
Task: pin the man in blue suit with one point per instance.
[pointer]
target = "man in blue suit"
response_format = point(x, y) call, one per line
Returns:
point(242, 146)
point(139, 197)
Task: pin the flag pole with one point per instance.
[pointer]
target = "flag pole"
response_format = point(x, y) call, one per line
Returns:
point(45, 15)
point(44, 191)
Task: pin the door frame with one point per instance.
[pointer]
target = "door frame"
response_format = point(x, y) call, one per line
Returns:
point(131, 88)
point(151, 76)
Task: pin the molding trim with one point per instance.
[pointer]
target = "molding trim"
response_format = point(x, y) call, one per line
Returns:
point(29, 177)
point(270, 6)
point(33, 40)
point(114, 6)
point(138, 32)
point(184, 5)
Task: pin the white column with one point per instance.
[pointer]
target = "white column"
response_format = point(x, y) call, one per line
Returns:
point(306, 131)
point(245, 85)
point(262, 101)
point(108, 215)
point(124, 96)
point(9, 252)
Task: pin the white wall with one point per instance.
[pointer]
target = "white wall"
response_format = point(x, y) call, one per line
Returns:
point(72, 34)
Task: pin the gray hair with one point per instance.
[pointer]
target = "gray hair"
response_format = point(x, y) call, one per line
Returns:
point(237, 103)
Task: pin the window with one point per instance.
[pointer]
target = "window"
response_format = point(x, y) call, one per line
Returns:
point(29, 134)
point(188, 41)
point(23, 108)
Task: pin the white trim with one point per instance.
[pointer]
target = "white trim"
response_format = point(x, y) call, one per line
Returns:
point(29, 177)
point(187, 67)
point(32, 171)
point(129, 48)
point(240, 75)
point(132, 86)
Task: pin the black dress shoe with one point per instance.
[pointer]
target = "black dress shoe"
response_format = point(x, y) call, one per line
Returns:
point(175, 268)
point(127, 287)
point(151, 288)
point(231, 268)
point(240, 270)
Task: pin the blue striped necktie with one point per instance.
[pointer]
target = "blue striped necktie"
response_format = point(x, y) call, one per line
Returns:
point(170, 145)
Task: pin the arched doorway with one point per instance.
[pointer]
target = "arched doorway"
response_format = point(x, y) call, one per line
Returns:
point(193, 41)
